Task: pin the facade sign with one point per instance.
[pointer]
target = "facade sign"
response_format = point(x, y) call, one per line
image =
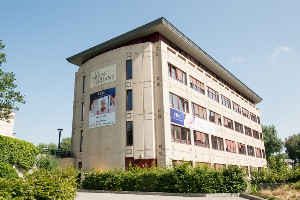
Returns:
point(191, 121)
point(102, 110)
point(177, 117)
point(103, 75)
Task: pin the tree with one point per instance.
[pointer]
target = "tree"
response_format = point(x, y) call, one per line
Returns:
point(66, 143)
point(292, 146)
point(47, 162)
point(273, 144)
point(8, 95)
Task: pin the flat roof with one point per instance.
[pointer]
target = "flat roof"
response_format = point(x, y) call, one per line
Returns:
point(164, 27)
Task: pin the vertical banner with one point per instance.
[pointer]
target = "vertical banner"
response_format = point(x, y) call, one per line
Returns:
point(102, 110)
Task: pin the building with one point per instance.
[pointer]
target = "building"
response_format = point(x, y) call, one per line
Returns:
point(7, 128)
point(152, 94)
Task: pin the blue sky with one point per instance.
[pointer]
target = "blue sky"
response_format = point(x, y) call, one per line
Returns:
point(258, 41)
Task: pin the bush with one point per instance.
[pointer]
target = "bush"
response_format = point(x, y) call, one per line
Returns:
point(7, 171)
point(47, 162)
point(17, 152)
point(181, 178)
point(41, 184)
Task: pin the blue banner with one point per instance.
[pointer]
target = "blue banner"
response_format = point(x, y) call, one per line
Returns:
point(177, 117)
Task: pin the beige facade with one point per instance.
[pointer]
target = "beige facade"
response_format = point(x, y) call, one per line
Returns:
point(7, 128)
point(99, 135)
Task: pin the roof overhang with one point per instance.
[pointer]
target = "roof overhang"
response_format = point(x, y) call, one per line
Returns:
point(164, 27)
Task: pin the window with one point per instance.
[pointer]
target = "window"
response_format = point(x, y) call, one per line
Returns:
point(199, 111)
point(255, 134)
point(217, 143)
point(241, 148)
point(263, 153)
point(230, 146)
point(129, 100)
point(82, 111)
point(129, 134)
point(225, 102)
point(261, 136)
point(215, 118)
point(176, 73)
point(180, 134)
point(81, 140)
point(197, 85)
point(258, 120)
point(178, 103)
point(236, 107)
point(245, 112)
point(253, 117)
point(250, 150)
point(248, 131)
point(128, 69)
point(201, 139)
point(228, 123)
point(258, 152)
point(83, 84)
point(238, 127)
point(214, 95)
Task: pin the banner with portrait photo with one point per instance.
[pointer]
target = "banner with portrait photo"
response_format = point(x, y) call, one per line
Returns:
point(102, 111)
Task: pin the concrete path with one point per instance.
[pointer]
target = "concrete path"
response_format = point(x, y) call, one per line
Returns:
point(112, 196)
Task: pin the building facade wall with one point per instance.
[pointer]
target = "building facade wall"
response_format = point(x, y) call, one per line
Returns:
point(105, 147)
point(7, 128)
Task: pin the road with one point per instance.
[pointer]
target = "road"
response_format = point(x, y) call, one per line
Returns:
point(113, 196)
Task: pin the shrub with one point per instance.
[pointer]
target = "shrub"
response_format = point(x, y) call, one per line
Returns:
point(41, 184)
point(181, 178)
point(47, 162)
point(7, 171)
point(17, 152)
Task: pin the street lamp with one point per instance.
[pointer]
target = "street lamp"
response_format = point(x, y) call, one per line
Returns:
point(59, 135)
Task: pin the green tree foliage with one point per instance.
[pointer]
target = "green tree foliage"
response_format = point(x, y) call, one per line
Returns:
point(41, 184)
point(273, 144)
point(181, 178)
point(8, 95)
point(66, 143)
point(292, 146)
point(42, 146)
point(47, 162)
point(52, 145)
point(7, 171)
point(17, 152)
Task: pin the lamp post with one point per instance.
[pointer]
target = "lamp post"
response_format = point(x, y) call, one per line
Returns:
point(59, 135)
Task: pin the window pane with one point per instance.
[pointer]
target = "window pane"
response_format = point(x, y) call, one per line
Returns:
point(170, 100)
point(83, 84)
point(128, 69)
point(82, 111)
point(169, 69)
point(181, 104)
point(129, 100)
point(173, 73)
point(129, 134)
point(184, 77)
point(183, 135)
point(172, 132)
point(177, 132)
point(175, 102)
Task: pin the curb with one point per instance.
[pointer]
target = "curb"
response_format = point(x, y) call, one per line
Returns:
point(251, 197)
point(163, 193)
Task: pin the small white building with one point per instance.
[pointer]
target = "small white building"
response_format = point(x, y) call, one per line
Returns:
point(7, 128)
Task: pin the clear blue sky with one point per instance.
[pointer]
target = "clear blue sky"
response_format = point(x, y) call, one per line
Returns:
point(258, 41)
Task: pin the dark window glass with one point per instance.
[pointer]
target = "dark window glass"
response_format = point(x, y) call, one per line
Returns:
point(82, 111)
point(83, 84)
point(129, 134)
point(129, 100)
point(128, 69)
point(81, 140)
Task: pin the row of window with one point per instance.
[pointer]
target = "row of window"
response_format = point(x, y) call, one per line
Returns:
point(198, 86)
point(205, 68)
point(181, 104)
point(182, 135)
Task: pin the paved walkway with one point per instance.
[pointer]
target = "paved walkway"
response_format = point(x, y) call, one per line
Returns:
point(112, 196)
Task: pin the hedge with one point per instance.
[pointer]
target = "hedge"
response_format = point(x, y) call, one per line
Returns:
point(181, 178)
point(7, 171)
point(41, 184)
point(17, 152)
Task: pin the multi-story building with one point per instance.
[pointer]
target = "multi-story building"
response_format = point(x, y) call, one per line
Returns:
point(7, 127)
point(152, 94)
